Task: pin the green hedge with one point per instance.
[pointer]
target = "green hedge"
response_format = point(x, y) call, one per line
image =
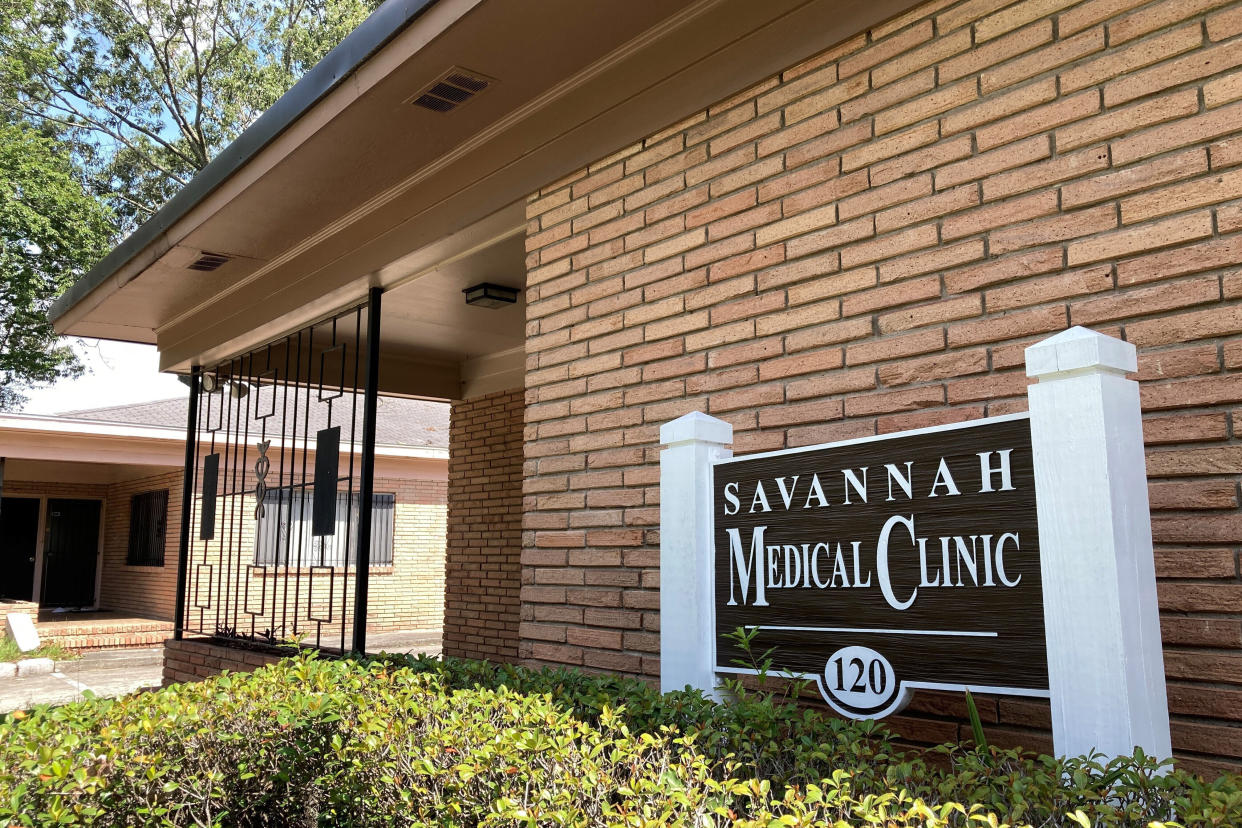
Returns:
point(396, 742)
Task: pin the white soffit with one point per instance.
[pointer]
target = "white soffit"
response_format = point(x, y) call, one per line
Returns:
point(368, 190)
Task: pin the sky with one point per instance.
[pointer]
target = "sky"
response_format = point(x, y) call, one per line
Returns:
point(117, 373)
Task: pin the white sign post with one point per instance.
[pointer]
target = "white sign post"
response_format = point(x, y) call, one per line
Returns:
point(1101, 620)
point(687, 623)
point(1105, 663)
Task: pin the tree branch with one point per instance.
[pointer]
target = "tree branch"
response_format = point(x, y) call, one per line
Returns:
point(99, 103)
point(95, 126)
point(169, 100)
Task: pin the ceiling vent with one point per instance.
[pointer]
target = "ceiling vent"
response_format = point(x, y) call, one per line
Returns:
point(452, 90)
point(208, 261)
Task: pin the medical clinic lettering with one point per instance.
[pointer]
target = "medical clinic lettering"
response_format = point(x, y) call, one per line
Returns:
point(886, 564)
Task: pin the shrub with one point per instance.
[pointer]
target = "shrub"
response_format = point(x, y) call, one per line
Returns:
point(399, 741)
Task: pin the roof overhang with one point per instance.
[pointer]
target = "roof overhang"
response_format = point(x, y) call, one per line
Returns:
point(345, 185)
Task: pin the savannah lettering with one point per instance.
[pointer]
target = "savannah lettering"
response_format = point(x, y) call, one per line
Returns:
point(944, 562)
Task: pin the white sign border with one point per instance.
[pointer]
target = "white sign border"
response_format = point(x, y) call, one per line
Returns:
point(905, 689)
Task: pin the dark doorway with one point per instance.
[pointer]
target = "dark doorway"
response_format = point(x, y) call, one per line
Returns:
point(71, 553)
point(19, 542)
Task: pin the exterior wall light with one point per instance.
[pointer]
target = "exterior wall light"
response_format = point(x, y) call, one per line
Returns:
point(487, 295)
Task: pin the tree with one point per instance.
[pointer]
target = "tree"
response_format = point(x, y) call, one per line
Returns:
point(151, 90)
point(125, 100)
point(51, 229)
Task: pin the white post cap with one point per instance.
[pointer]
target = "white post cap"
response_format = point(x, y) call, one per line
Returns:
point(696, 427)
point(1079, 350)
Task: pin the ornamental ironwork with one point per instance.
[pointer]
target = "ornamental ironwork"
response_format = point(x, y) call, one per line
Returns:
point(280, 466)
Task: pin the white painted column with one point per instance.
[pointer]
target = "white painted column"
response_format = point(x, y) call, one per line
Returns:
point(1105, 664)
point(687, 606)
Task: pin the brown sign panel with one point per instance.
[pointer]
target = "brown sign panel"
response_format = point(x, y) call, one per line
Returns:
point(881, 565)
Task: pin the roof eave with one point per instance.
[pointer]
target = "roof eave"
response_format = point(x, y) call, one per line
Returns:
point(372, 34)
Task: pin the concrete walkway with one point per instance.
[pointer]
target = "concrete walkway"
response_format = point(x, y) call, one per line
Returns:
point(108, 673)
point(426, 642)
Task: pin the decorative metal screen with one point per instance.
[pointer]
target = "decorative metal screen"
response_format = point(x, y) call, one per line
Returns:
point(148, 519)
point(279, 490)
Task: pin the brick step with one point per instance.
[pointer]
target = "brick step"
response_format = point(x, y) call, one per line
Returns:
point(83, 640)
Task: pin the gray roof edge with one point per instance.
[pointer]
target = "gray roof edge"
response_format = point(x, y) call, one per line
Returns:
point(401, 422)
point(372, 34)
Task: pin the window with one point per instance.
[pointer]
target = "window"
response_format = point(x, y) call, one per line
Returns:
point(148, 517)
point(284, 533)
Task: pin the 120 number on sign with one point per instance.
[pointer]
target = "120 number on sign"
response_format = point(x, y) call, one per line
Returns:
point(860, 680)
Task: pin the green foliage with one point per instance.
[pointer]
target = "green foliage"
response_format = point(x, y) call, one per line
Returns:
point(108, 108)
point(976, 723)
point(398, 741)
point(150, 91)
point(51, 229)
point(760, 665)
point(52, 650)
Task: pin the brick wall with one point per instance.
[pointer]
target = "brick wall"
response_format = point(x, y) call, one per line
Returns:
point(407, 595)
point(484, 566)
point(194, 660)
point(866, 243)
point(142, 590)
point(13, 606)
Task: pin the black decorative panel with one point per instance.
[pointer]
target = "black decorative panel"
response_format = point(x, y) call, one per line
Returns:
point(327, 465)
point(211, 488)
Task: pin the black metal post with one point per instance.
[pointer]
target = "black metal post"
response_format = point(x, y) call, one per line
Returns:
point(187, 501)
point(366, 478)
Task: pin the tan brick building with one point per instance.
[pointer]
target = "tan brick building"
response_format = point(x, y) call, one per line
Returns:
point(109, 584)
point(815, 220)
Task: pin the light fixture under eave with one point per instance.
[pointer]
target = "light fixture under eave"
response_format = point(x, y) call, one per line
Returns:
point(488, 295)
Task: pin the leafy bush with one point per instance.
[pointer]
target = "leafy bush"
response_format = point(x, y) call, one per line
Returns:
point(399, 741)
